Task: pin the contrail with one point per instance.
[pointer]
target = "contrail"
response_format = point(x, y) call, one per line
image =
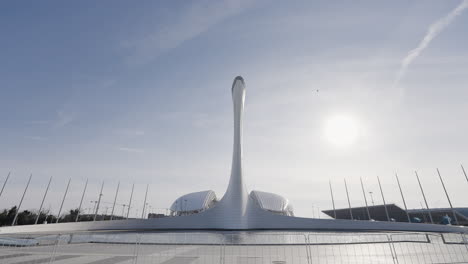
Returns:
point(434, 29)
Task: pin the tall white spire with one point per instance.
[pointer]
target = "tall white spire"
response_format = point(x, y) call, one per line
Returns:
point(236, 186)
point(235, 201)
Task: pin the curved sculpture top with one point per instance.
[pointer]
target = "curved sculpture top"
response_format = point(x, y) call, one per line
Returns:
point(236, 198)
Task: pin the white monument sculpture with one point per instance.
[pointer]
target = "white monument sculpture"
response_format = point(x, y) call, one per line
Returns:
point(236, 210)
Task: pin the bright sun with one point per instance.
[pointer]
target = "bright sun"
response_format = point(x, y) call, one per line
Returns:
point(342, 130)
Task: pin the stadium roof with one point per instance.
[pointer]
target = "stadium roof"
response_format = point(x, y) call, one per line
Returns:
point(395, 212)
point(377, 212)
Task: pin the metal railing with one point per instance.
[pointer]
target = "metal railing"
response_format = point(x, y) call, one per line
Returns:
point(235, 247)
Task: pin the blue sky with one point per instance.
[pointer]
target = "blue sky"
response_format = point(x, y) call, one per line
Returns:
point(140, 92)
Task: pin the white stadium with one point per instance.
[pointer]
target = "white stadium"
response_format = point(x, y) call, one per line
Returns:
point(198, 202)
point(193, 203)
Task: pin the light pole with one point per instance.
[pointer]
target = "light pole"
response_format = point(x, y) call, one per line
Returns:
point(94, 207)
point(123, 210)
point(372, 197)
point(98, 202)
point(130, 201)
point(105, 213)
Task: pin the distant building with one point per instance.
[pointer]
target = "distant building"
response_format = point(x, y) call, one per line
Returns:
point(438, 215)
point(398, 214)
point(377, 212)
point(151, 215)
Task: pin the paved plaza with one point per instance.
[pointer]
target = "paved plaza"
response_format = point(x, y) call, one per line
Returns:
point(235, 248)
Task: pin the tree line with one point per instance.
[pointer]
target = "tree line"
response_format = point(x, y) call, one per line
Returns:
point(27, 217)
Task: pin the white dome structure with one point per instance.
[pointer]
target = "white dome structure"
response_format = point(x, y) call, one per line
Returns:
point(272, 202)
point(193, 203)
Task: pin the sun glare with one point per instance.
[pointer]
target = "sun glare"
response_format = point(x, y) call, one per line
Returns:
point(341, 130)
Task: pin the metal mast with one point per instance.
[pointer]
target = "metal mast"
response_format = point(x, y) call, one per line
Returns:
point(115, 199)
point(99, 202)
point(144, 204)
point(6, 180)
point(130, 202)
point(463, 169)
point(365, 199)
point(383, 199)
point(21, 201)
point(424, 196)
point(63, 200)
point(448, 198)
point(349, 202)
point(403, 198)
point(81, 202)
point(42, 203)
point(333, 200)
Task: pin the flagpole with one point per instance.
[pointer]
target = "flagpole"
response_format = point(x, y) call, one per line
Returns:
point(130, 202)
point(424, 196)
point(63, 201)
point(42, 203)
point(403, 198)
point(333, 200)
point(99, 202)
point(349, 202)
point(144, 204)
point(81, 202)
point(448, 198)
point(365, 198)
point(383, 199)
point(6, 180)
point(21, 201)
point(115, 199)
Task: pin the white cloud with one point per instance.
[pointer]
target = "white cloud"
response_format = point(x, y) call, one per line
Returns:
point(433, 31)
point(37, 138)
point(38, 122)
point(63, 119)
point(132, 150)
point(130, 132)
